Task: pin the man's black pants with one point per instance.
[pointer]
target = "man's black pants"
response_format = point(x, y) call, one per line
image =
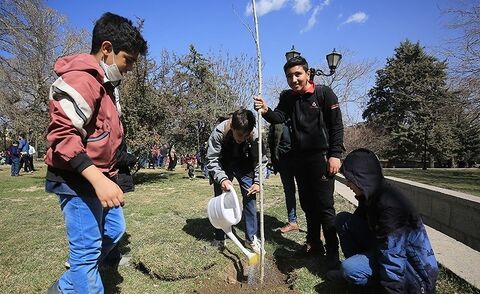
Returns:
point(315, 189)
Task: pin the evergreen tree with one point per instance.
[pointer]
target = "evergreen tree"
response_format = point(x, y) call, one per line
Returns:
point(410, 100)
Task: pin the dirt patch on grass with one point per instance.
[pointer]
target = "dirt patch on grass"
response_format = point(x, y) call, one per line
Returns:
point(241, 278)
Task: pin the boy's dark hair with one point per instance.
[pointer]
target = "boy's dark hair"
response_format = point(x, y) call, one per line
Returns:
point(243, 120)
point(119, 31)
point(294, 61)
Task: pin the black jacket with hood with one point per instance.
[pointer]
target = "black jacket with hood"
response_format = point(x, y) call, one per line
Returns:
point(404, 255)
point(385, 208)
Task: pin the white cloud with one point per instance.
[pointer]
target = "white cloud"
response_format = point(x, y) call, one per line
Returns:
point(301, 6)
point(265, 6)
point(358, 17)
point(313, 18)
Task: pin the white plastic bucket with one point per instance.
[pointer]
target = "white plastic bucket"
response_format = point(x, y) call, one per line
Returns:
point(224, 210)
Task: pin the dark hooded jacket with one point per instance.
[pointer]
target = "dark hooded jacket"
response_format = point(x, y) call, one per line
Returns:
point(405, 258)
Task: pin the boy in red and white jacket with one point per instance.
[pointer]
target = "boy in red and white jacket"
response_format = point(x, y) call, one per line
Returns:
point(84, 136)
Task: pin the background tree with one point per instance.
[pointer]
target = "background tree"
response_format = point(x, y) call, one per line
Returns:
point(350, 81)
point(140, 108)
point(363, 135)
point(179, 99)
point(463, 55)
point(410, 100)
point(32, 37)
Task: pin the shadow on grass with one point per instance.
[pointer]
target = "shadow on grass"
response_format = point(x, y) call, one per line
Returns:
point(141, 178)
point(110, 276)
point(201, 229)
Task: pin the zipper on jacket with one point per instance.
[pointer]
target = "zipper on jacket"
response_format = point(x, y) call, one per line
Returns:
point(324, 135)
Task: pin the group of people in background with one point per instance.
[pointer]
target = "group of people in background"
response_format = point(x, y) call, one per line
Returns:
point(20, 154)
point(164, 156)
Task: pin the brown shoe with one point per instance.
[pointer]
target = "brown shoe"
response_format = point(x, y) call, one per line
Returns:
point(289, 227)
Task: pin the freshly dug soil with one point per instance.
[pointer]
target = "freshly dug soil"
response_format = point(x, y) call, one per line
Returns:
point(245, 279)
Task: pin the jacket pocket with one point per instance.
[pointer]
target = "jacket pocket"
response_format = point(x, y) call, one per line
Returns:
point(97, 138)
point(98, 147)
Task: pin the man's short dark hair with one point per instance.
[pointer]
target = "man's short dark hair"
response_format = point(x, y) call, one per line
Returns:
point(119, 31)
point(243, 120)
point(294, 61)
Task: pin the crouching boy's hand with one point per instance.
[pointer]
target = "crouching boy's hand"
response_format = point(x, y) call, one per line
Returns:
point(254, 189)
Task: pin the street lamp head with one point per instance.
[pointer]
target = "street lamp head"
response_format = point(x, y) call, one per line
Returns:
point(292, 53)
point(333, 59)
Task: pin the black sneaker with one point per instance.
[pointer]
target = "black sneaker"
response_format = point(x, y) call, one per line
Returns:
point(308, 250)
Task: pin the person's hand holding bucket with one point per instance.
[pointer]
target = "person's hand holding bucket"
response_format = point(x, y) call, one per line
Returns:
point(226, 185)
point(254, 189)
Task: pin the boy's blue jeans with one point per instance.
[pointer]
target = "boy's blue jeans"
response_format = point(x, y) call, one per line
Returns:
point(91, 232)
point(249, 204)
point(357, 243)
point(15, 169)
point(287, 176)
point(405, 258)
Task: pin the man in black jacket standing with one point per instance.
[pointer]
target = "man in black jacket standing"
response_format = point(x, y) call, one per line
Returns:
point(317, 144)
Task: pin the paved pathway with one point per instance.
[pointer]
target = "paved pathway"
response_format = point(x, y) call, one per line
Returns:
point(457, 257)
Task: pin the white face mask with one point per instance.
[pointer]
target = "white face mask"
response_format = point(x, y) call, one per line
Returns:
point(111, 71)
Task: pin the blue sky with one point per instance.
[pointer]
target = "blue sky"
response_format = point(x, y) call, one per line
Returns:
point(372, 29)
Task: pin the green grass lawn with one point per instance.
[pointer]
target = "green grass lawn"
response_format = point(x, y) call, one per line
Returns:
point(463, 180)
point(168, 238)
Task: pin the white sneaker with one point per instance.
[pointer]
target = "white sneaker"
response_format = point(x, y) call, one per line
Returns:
point(254, 245)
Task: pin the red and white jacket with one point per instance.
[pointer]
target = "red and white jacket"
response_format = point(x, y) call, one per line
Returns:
point(85, 126)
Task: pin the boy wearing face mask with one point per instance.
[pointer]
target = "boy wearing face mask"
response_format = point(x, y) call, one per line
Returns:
point(84, 135)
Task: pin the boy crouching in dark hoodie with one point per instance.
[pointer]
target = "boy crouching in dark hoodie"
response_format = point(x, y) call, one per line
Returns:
point(384, 241)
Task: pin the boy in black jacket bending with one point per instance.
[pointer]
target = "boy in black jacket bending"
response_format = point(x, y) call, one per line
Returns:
point(317, 144)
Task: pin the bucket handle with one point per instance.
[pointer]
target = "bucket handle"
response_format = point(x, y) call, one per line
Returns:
point(237, 211)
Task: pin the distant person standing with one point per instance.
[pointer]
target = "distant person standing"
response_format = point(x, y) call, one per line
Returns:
point(163, 155)
point(317, 145)
point(84, 136)
point(24, 148)
point(172, 156)
point(14, 153)
point(31, 155)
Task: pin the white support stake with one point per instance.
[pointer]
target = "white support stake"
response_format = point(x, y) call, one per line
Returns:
point(260, 141)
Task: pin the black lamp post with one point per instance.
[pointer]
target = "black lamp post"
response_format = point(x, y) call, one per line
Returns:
point(333, 59)
point(292, 53)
